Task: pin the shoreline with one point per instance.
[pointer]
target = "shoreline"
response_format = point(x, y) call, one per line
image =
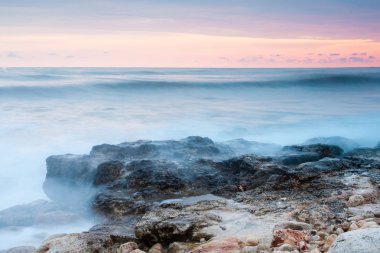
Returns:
point(196, 195)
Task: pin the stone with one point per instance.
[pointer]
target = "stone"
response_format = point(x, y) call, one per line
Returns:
point(361, 223)
point(127, 247)
point(157, 248)
point(329, 241)
point(224, 245)
point(293, 225)
point(353, 227)
point(358, 241)
point(370, 224)
point(290, 236)
point(344, 143)
point(355, 200)
point(249, 249)
point(285, 247)
point(138, 251)
point(339, 231)
point(177, 247)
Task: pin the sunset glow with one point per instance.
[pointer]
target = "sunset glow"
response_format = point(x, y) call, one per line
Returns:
point(127, 34)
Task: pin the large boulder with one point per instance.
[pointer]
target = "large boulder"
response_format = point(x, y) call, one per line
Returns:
point(306, 171)
point(179, 221)
point(297, 154)
point(358, 241)
point(71, 178)
point(101, 239)
point(344, 143)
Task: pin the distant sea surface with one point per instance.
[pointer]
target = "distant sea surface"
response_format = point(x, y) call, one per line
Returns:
point(45, 111)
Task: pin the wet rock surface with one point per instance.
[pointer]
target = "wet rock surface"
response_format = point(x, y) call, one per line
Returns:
point(196, 195)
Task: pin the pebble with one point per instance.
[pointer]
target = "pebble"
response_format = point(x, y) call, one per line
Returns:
point(322, 234)
point(370, 224)
point(315, 238)
point(345, 226)
point(177, 247)
point(356, 218)
point(285, 247)
point(249, 249)
point(339, 231)
point(355, 200)
point(127, 247)
point(353, 227)
point(138, 251)
point(329, 242)
point(361, 223)
point(157, 248)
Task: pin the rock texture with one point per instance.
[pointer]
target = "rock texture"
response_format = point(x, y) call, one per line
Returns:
point(196, 195)
point(359, 241)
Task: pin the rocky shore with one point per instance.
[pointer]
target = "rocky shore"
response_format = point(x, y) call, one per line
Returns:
point(195, 195)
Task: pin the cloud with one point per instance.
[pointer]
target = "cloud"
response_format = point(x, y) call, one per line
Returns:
point(334, 54)
point(222, 58)
point(12, 55)
point(362, 59)
point(251, 59)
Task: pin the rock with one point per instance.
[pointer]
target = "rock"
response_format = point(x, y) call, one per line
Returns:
point(22, 249)
point(108, 172)
point(177, 247)
point(69, 178)
point(289, 236)
point(353, 227)
point(127, 247)
point(179, 223)
point(226, 245)
point(329, 241)
point(370, 224)
point(339, 231)
point(293, 225)
point(285, 247)
point(157, 248)
point(309, 170)
point(355, 200)
point(294, 155)
point(356, 218)
point(249, 249)
point(344, 143)
point(137, 251)
point(359, 241)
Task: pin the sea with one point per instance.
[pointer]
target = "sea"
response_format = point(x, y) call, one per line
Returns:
point(47, 111)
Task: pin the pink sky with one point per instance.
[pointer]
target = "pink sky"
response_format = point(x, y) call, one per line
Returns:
point(99, 34)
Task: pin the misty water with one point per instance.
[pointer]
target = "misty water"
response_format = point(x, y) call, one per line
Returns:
point(45, 111)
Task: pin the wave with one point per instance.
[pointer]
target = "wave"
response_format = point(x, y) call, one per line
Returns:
point(47, 87)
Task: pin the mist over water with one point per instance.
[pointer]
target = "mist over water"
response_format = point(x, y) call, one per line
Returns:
point(61, 110)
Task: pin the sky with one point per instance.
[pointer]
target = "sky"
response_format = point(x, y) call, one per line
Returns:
point(197, 33)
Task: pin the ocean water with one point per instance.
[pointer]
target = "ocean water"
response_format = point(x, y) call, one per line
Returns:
point(45, 111)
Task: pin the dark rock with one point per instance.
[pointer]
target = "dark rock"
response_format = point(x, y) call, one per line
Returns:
point(294, 155)
point(177, 223)
point(344, 143)
point(306, 171)
point(69, 178)
point(108, 172)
